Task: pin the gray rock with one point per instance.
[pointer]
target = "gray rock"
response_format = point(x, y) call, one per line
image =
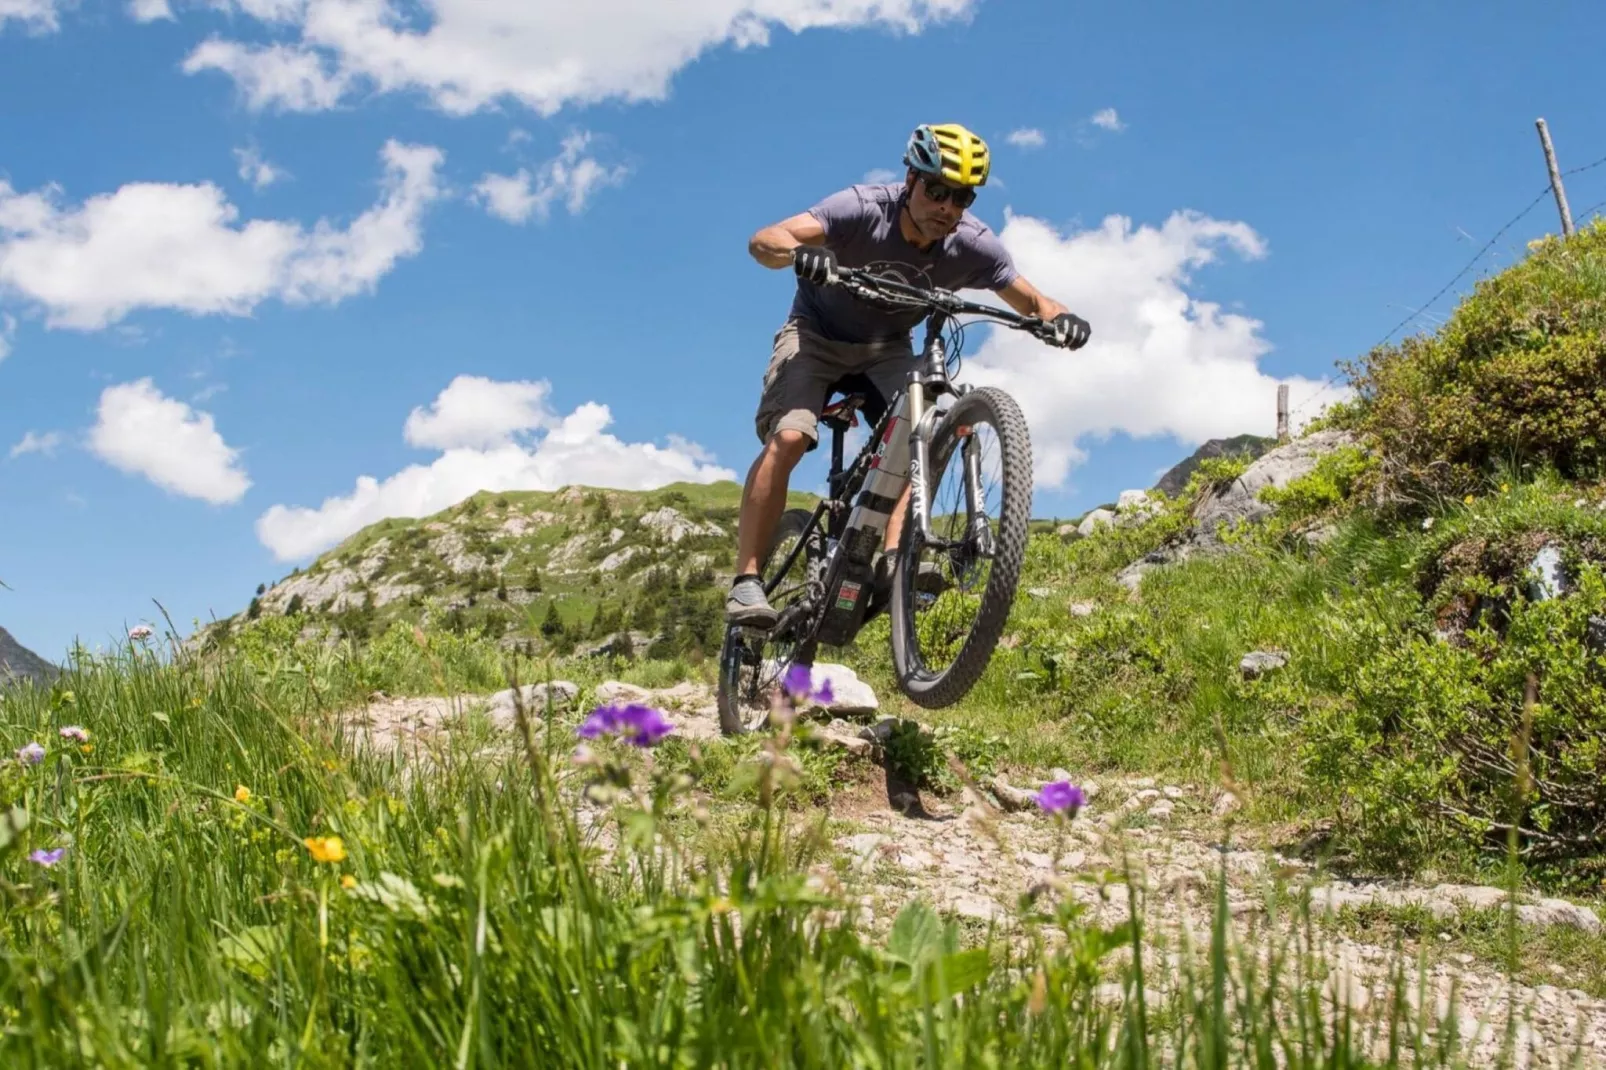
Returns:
point(838, 735)
point(1131, 577)
point(614, 692)
point(1321, 536)
point(1239, 502)
point(1065, 531)
point(1448, 900)
point(1258, 663)
point(619, 644)
point(849, 694)
point(1093, 521)
point(1040, 592)
point(1595, 636)
point(1010, 797)
point(536, 698)
point(879, 732)
point(1545, 580)
point(1135, 506)
point(1087, 609)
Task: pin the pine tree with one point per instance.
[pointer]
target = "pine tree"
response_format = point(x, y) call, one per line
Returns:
point(552, 623)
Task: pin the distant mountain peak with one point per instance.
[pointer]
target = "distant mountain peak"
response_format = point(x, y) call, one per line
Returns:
point(18, 663)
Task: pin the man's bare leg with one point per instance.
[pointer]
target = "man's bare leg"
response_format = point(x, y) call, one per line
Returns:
point(763, 502)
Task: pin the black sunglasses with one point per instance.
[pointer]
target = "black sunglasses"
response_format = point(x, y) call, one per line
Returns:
point(938, 191)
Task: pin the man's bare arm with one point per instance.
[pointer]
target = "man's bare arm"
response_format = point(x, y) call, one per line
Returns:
point(772, 246)
point(1024, 298)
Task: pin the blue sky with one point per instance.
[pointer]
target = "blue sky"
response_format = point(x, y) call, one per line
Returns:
point(249, 255)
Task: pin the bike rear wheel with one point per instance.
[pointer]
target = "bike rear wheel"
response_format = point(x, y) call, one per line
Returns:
point(951, 599)
point(751, 663)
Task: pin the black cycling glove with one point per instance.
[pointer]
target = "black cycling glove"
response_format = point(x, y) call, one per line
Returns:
point(815, 263)
point(1071, 331)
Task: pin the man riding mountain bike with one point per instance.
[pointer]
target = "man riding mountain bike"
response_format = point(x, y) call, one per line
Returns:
point(918, 230)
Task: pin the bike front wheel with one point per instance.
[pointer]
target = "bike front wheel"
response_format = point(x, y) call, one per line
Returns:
point(951, 597)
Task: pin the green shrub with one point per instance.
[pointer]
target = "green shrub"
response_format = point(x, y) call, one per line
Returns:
point(1322, 490)
point(1426, 749)
point(1517, 375)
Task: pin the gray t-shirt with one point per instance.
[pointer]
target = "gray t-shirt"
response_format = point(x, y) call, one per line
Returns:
point(861, 227)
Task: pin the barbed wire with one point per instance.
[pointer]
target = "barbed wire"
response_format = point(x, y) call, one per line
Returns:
point(1329, 381)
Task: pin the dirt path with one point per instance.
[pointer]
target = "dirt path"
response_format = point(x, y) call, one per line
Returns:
point(970, 857)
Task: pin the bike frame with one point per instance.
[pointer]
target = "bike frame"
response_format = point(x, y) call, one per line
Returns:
point(927, 382)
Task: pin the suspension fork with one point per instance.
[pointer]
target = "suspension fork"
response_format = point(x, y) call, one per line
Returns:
point(923, 392)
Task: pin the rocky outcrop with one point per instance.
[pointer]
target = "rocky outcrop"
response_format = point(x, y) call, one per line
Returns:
point(1176, 480)
point(18, 664)
point(1239, 502)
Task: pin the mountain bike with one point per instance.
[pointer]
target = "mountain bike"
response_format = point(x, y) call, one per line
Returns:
point(964, 455)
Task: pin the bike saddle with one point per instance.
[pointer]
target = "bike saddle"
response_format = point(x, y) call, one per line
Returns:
point(858, 393)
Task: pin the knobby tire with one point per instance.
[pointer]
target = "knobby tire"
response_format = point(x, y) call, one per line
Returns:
point(934, 690)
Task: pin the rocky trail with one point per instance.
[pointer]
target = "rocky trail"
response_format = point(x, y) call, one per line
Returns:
point(975, 854)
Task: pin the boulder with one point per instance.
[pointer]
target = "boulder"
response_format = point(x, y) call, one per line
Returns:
point(1093, 521)
point(849, 694)
point(1260, 662)
point(1239, 502)
point(536, 699)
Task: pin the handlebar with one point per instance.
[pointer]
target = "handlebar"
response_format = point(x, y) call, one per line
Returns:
point(866, 284)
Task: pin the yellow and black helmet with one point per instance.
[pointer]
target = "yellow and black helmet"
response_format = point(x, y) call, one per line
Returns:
point(949, 151)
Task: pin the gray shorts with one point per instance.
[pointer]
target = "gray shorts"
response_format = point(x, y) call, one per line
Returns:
point(803, 366)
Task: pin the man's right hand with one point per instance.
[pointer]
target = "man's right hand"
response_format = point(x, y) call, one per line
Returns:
point(815, 263)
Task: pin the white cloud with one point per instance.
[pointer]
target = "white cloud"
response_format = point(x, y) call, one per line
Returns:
point(38, 16)
point(1027, 138)
point(504, 454)
point(469, 54)
point(1107, 119)
point(571, 177)
point(35, 443)
point(478, 413)
point(1160, 361)
point(880, 176)
point(149, 10)
point(154, 245)
point(142, 431)
point(283, 77)
point(255, 170)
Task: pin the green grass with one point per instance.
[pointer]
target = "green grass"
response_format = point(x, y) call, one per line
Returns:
point(484, 926)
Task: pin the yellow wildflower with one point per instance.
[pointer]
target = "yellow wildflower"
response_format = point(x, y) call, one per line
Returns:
point(1469, 499)
point(348, 882)
point(326, 848)
point(242, 793)
point(1505, 488)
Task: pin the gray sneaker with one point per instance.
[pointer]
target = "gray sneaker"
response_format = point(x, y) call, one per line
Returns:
point(746, 605)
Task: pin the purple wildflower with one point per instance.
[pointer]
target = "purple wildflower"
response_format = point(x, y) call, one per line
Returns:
point(76, 733)
point(48, 858)
point(1058, 795)
point(641, 726)
point(141, 632)
point(31, 754)
point(799, 684)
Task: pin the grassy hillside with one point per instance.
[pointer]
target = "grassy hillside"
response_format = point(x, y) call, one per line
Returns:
point(547, 571)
